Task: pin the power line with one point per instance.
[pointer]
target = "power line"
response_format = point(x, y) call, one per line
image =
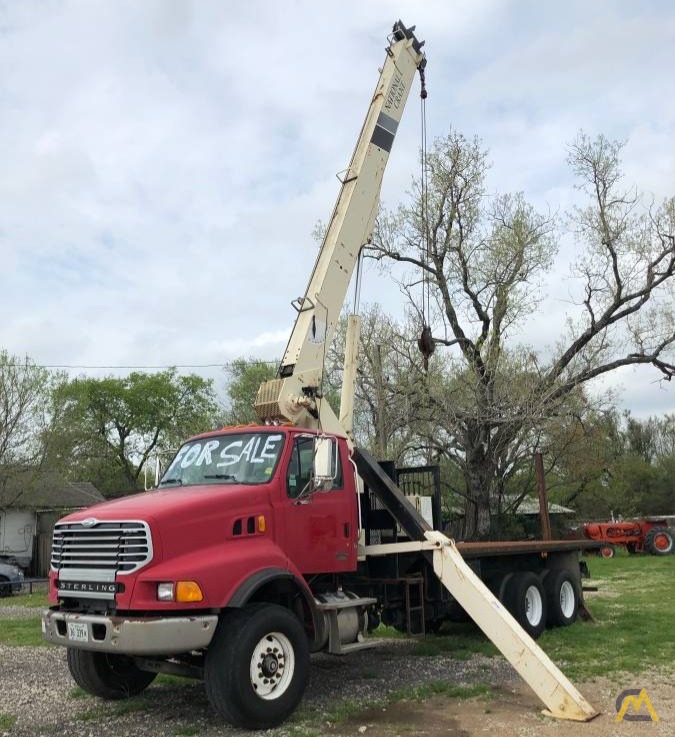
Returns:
point(225, 364)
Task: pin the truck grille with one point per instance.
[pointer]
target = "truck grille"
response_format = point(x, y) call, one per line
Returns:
point(114, 547)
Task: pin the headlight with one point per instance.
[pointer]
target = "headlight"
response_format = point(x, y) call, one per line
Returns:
point(165, 591)
point(182, 591)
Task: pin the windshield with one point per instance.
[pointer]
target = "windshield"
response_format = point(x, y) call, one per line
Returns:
point(236, 458)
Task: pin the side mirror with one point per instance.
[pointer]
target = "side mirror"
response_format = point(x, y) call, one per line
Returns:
point(324, 466)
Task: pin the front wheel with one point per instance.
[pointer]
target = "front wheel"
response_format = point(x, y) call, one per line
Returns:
point(607, 551)
point(257, 666)
point(659, 541)
point(110, 677)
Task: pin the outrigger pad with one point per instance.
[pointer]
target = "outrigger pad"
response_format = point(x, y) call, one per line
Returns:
point(390, 495)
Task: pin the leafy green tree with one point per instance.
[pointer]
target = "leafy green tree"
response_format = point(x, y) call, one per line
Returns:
point(244, 379)
point(109, 428)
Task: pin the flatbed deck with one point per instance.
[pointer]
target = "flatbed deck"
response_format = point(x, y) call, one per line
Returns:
point(523, 547)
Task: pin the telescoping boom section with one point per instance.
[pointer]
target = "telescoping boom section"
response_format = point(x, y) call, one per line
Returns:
point(294, 395)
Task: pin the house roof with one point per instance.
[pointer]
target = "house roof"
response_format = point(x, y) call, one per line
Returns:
point(31, 489)
point(528, 506)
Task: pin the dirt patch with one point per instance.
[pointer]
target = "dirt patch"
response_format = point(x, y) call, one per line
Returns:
point(517, 712)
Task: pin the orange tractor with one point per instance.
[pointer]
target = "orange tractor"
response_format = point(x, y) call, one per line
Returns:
point(650, 535)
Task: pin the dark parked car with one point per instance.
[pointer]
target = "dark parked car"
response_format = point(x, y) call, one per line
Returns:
point(11, 579)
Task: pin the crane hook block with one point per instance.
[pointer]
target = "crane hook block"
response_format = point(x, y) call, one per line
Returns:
point(426, 345)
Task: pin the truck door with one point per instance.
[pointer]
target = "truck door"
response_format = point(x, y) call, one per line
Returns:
point(320, 526)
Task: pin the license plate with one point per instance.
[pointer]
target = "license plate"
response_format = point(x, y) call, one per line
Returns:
point(78, 631)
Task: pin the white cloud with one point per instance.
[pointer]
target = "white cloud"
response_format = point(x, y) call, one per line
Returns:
point(163, 163)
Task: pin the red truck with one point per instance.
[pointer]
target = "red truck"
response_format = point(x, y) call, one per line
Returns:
point(264, 543)
point(237, 567)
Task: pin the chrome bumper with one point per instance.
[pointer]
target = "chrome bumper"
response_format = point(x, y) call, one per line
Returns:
point(130, 635)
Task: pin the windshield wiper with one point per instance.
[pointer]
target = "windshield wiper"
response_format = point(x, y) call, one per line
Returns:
point(171, 481)
point(221, 476)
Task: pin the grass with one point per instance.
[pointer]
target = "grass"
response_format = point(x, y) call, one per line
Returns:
point(349, 708)
point(188, 731)
point(6, 722)
point(116, 709)
point(635, 613)
point(37, 599)
point(166, 679)
point(77, 693)
point(438, 688)
point(459, 640)
point(635, 627)
point(21, 632)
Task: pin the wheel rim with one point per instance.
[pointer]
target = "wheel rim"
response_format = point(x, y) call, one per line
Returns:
point(567, 599)
point(663, 542)
point(272, 666)
point(607, 553)
point(534, 606)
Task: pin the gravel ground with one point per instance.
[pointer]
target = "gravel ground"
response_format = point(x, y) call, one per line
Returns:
point(37, 690)
point(19, 612)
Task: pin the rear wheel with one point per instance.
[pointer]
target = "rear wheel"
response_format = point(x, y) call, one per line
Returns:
point(562, 598)
point(525, 598)
point(607, 551)
point(257, 666)
point(110, 677)
point(659, 541)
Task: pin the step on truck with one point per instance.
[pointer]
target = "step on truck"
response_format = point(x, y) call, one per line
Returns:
point(262, 544)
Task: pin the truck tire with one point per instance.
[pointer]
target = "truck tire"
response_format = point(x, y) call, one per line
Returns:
point(525, 598)
point(562, 598)
point(257, 666)
point(659, 541)
point(111, 677)
point(607, 551)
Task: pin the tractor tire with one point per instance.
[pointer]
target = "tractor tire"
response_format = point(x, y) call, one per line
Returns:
point(659, 541)
point(562, 598)
point(110, 677)
point(525, 598)
point(607, 551)
point(257, 666)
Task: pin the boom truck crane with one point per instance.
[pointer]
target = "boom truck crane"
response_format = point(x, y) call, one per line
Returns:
point(264, 543)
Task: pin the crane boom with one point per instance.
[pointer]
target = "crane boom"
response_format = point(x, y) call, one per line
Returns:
point(296, 392)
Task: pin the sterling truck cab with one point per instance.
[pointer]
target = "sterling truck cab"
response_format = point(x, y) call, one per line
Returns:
point(238, 523)
point(234, 510)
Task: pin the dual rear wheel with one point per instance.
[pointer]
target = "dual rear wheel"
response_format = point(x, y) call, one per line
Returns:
point(536, 603)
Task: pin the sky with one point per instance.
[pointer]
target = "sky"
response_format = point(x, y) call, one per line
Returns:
point(163, 163)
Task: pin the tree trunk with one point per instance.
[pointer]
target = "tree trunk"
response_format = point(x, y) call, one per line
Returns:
point(477, 477)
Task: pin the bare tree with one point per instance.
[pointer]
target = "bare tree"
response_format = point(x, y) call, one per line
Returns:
point(24, 389)
point(387, 393)
point(485, 258)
